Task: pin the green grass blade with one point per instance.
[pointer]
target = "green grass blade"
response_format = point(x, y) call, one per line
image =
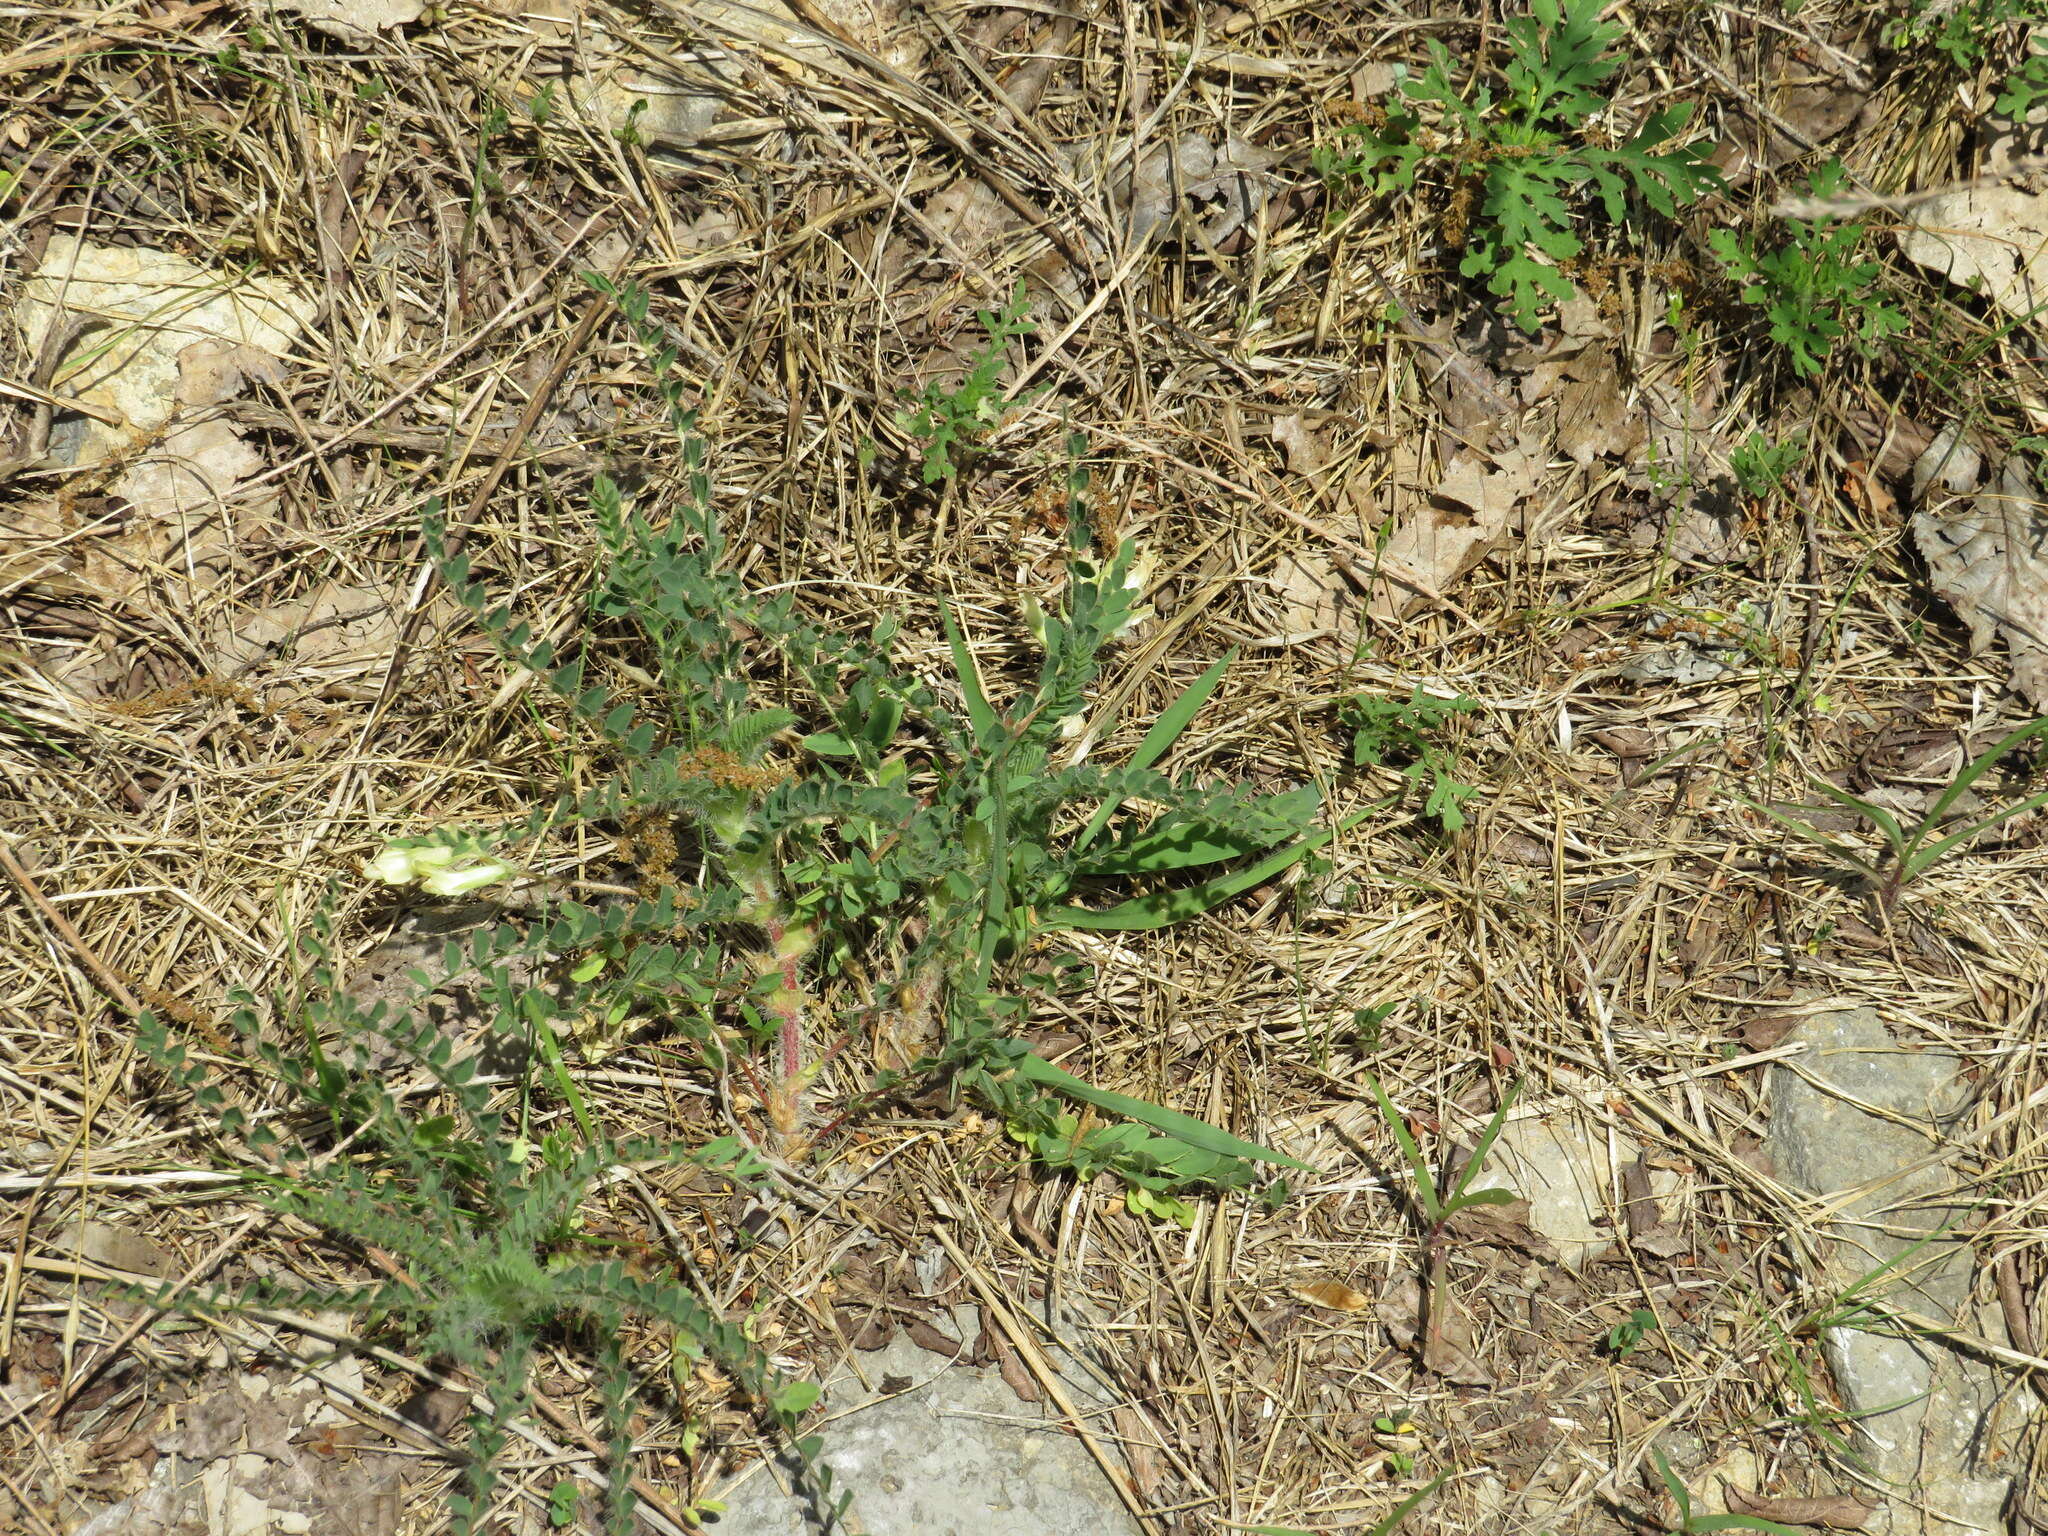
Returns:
point(1920, 860)
point(1406, 1507)
point(1185, 842)
point(1676, 1487)
point(1881, 818)
point(979, 712)
point(1477, 1161)
point(1184, 1128)
point(1162, 909)
point(1165, 731)
point(1841, 851)
point(1977, 769)
point(1179, 714)
point(1425, 1182)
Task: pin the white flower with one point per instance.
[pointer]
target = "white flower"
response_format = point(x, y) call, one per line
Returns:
point(433, 867)
point(460, 882)
point(1136, 579)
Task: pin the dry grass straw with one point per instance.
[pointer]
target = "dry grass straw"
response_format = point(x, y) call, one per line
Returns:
point(817, 253)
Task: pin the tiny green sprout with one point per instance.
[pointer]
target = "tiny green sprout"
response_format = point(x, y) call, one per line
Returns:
point(628, 132)
point(562, 1501)
point(1623, 1337)
point(1367, 1022)
point(1436, 1203)
point(1400, 1439)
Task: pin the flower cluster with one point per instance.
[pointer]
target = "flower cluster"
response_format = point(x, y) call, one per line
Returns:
point(438, 868)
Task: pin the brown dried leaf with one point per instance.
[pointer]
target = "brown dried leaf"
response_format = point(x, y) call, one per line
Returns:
point(1017, 1375)
point(1500, 1226)
point(218, 369)
point(1304, 449)
point(1639, 1206)
point(1315, 598)
point(927, 1337)
point(1987, 238)
point(116, 1247)
point(1466, 518)
point(1334, 1295)
point(1447, 1351)
point(1987, 552)
point(1834, 1512)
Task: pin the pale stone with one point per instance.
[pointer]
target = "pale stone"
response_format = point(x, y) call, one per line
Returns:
point(156, 305)
point(1561, 1169)
point(1851, 1118)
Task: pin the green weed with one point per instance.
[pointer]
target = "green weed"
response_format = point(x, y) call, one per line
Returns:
point(1624, 1338)
point(1437, 1205)
point(479, 1226)
point(1910, 852)
point(1762, 468)
point(1811, 289)
point(952, 422)
point(900, 814)
point(943, 841)
point(1969, 34)
point(1386, 733)
point(1522, 157)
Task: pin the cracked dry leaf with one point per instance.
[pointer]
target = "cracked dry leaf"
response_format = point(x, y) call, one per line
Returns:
point(1986, 546)
point(1315, 599)
point(1448, 1352)
point(1464, 519)
point(1304, 449)
point(356, 21)
point(1988, 239)
point(1832, 1512)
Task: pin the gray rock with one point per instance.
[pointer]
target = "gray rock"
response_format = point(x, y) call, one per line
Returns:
point(1867, 1115)
point(1561, 1169)
point(956, 1454)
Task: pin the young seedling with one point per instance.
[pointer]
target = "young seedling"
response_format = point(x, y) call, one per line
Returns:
point(1436, 1207)
point(1387, 733)
point(1812, 289)
point(952, 422)
point(1623, 1338)
point(1911, 851)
